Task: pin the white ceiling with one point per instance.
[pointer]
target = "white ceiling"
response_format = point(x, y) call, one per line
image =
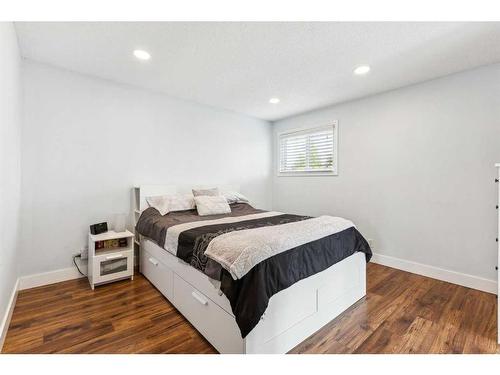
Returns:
point(239, 66)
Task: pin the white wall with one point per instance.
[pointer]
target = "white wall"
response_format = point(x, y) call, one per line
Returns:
point(86, 142)
point(416, 171)
point(10, 162)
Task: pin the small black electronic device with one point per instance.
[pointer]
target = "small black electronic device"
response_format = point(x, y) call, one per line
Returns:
point(99, 228)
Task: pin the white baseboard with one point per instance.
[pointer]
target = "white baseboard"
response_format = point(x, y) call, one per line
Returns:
point(8, 314)
point(453, 277)
point(40, 279)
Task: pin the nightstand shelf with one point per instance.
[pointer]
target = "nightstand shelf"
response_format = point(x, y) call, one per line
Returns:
point(108, 261)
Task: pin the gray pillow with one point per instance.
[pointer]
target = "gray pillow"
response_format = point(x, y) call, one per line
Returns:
point(214, 192)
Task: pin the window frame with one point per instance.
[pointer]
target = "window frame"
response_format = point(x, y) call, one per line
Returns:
point(335, 170)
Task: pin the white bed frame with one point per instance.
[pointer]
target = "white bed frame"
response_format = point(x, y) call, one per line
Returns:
point(292, 315)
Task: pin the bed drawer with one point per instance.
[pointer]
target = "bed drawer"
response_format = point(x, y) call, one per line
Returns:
point(188, 273)
point(158, 274)
point(210, 319)
point(201, 282)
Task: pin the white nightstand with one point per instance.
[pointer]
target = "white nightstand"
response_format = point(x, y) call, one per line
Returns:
point(113, 262)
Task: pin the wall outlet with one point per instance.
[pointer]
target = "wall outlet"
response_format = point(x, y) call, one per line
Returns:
point(371, 242)
point(84, 252)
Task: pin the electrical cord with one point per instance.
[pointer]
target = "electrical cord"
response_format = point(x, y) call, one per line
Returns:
point(76, 265)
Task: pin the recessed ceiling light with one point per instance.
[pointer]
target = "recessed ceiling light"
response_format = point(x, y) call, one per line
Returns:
point(362, 70)
point(274, 100)
point(142, 55)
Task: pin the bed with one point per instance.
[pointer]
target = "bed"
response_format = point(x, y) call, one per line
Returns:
point(241, 298)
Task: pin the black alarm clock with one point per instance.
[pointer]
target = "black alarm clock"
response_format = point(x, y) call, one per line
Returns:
point(98, 228)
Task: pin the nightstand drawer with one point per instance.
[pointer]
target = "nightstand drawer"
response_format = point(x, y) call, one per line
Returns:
point(112, 266)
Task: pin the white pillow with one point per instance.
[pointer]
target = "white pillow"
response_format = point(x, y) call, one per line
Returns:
point(234, 197)
point(159, 202)
point(207, 205)
point(171, 203)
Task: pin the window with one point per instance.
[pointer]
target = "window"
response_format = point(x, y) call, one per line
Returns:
point(308, 152)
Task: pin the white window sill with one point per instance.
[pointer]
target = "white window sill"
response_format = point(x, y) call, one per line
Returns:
point(308, 174)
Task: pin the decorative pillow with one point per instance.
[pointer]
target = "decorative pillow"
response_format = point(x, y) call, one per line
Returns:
point(171, 203)
point(181, 202)
point(234, 197)
point(207, 205)
point(159, 202)
point(214, 192)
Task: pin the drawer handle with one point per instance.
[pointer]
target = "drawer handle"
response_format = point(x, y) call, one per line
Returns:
point(115, 256)
point(199, 298)
point(153, 261)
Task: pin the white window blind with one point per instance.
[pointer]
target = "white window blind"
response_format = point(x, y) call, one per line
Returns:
point(311, 151)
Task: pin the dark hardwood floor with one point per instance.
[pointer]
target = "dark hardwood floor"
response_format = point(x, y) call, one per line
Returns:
point(402, 313)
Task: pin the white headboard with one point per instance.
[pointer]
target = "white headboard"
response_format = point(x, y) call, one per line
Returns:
point(143, 191)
